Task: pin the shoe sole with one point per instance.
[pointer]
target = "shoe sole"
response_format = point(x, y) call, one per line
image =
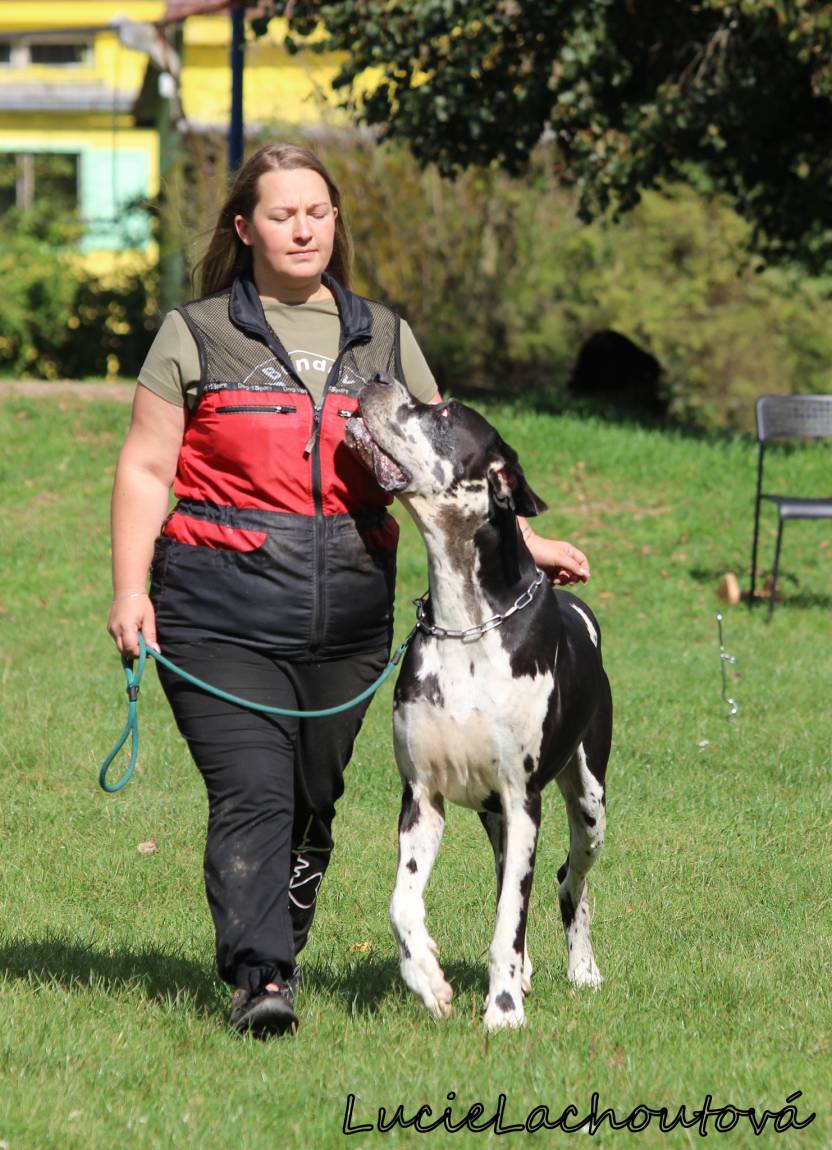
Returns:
point(267, 1018)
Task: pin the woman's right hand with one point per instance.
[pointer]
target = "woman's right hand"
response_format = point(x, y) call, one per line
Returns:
point(130, 613)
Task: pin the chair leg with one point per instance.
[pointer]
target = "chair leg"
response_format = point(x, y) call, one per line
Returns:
point(776, 569)
point(754, 554)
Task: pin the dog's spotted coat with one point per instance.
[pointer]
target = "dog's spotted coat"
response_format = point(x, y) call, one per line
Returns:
point(486, 722)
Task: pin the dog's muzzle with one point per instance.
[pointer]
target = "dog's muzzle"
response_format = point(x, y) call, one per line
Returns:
point(390, 475)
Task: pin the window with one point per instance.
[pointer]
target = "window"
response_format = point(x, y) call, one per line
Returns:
point(52, 51)
point(60, 54)
point(55, 179)
point(29, 179)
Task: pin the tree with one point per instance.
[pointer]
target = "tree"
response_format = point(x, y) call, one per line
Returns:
point(736, 96)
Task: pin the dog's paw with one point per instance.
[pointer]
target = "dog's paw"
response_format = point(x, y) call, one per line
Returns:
point(502, 1012)
point(585, 974)
point(426, 979)
point(439, 1001)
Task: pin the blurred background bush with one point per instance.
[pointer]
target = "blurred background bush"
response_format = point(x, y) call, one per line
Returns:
point(501, 282)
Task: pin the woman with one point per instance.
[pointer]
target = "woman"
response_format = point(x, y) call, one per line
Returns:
point(273, 577)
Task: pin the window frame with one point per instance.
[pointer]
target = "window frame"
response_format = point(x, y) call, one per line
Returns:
point(20, 51)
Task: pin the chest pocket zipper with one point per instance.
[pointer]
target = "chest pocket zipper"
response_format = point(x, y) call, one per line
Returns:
point(257, 408)
point(345, 413)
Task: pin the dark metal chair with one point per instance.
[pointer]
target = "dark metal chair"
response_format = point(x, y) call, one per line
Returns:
point(788, 417)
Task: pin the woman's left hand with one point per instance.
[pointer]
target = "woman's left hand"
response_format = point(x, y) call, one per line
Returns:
point(562, 562)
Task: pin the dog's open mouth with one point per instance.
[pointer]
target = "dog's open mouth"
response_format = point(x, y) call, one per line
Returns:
point(390, 475)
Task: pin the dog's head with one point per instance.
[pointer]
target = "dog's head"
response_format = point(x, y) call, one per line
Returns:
point(436, 450)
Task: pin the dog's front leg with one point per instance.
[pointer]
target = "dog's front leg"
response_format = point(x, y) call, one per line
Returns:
point(495, 829)
point(504, 1006)
point(421, 823)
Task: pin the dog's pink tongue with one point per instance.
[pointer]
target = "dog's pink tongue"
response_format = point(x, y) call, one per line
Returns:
point(389, 475)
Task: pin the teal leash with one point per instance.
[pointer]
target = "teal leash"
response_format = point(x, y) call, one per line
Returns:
point(134, 678)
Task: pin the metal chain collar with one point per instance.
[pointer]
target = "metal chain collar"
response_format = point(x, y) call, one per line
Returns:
point(476, 632)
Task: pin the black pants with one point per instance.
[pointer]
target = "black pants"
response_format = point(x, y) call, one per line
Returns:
point(272, 787)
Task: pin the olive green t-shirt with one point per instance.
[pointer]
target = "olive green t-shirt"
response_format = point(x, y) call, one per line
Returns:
point(310, 333)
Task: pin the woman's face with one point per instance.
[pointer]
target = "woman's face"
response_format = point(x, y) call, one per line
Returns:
point(291, 232)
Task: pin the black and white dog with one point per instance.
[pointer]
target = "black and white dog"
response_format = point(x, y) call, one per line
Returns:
point(501, 690)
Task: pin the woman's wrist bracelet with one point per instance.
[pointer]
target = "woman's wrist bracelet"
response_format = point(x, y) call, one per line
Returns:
point(129, 595)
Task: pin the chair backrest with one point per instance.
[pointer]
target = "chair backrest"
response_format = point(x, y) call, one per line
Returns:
point(799, 416)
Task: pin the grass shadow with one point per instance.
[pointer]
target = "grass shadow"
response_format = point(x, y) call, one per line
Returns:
point(76, 965)
point(72, 964)
point(804, 599)
point(364, 986)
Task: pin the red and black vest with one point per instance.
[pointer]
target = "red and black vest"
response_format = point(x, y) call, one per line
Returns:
point(280, 539)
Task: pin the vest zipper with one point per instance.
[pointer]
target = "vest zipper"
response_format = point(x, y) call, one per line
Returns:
point(316, 426)
point(314, 446)
point(312, 449)
point(259, 408)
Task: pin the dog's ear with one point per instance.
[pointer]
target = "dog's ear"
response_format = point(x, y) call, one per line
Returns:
point(510, 496)
point(509, 488)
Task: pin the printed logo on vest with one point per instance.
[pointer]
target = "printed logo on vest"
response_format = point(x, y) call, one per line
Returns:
point(311, 362)
point(348, 383)
point(270, 375)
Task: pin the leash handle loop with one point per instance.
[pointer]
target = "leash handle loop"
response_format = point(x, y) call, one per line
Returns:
point(131, 727)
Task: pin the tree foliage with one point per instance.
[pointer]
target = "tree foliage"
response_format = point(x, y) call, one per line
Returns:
point(505, 285)
point(58, 320)
point(735, 94)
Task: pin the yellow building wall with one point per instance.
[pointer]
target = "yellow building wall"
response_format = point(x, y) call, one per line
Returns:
point(276, 86)
point(118, 160)
point(46, 14)
point(118, 165)
point(112, 64)
point(42, 134)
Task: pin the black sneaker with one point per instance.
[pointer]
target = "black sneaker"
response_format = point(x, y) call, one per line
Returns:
point(263, 1014)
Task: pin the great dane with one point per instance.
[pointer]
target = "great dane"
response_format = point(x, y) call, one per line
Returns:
point(502, 690)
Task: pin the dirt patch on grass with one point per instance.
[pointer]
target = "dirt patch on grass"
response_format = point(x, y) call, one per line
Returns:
point(61, 388)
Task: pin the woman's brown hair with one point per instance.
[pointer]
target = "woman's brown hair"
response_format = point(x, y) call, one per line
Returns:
point(227, 256)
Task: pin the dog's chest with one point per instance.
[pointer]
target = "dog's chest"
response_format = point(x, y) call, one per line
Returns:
point(465, 725)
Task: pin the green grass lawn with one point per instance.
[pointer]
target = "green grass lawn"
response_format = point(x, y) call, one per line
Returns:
point(711, 902)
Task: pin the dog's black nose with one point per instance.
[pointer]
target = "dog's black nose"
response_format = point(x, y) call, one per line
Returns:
point(380, 377)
